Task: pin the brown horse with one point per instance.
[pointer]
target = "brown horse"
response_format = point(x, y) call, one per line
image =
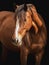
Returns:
point(24, 31)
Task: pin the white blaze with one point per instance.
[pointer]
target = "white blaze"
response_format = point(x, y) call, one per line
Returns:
point(18, 37)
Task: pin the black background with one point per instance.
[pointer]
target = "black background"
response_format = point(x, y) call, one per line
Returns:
point(42, 7)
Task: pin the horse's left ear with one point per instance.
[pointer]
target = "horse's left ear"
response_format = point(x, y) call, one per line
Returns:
point(17, 6)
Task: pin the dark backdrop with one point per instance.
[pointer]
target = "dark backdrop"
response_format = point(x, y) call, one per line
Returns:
point(42, 7)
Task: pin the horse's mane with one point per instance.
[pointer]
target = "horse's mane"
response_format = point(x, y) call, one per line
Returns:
point(39, 38)
point(30, 36)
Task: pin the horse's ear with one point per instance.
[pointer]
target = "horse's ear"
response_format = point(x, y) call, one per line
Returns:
point(25, 7)
point(17, 6)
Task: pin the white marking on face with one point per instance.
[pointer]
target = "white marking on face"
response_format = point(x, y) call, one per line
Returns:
point(17, 35)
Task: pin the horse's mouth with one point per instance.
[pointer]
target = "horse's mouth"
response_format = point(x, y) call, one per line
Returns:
point(16, 43)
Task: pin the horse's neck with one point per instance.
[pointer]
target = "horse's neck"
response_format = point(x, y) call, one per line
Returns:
point(4, 15)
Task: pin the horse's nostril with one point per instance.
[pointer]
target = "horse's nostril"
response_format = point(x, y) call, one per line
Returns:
point(17, 41)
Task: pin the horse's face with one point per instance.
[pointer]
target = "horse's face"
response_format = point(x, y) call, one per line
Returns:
point(19, 24)
point(20, 20)
point(22, 25)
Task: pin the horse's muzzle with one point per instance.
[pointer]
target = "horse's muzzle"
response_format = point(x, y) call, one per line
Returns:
point(16, 42)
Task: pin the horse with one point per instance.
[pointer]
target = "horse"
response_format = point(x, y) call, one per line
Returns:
point(23, 30)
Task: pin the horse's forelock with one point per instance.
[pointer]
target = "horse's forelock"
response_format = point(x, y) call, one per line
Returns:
point(19, 9)
point(22, 7)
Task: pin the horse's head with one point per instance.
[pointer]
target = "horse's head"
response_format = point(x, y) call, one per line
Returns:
point(24, 22)
point(20, 20)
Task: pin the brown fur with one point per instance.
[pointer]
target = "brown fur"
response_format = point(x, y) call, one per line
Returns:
point(31, 42)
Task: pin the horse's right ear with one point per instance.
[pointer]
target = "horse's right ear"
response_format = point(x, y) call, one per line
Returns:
point(15, 6)
point(25, 7)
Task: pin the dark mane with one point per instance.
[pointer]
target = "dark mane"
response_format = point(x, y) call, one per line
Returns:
point(39, 38)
